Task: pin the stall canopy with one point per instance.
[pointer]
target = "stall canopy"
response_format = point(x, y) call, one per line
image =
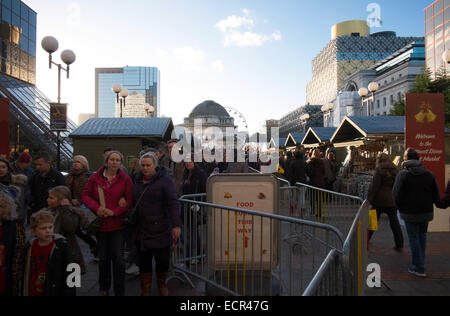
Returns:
point(354, 129)
point(160, 128)
point(316, 136)
point(294, 139)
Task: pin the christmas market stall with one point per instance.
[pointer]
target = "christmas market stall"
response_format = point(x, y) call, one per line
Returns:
point(293, 140)
point(358, 141)
point(318, 137)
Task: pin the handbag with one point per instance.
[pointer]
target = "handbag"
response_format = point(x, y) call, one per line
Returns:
point(94, 225)
point(131, 220)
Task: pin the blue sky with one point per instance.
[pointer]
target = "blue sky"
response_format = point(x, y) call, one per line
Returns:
point(254, 56)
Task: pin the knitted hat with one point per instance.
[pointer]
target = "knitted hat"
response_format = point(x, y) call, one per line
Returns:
point(24, 158)
point(82, 160)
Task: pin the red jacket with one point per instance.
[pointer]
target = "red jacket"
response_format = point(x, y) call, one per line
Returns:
point(120, 186)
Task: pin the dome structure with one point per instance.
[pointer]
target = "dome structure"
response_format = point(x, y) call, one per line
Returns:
point(209, 109)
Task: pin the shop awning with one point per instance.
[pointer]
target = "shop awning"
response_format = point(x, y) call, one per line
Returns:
point(355, 128)
point(316, 136)
point(294, 139)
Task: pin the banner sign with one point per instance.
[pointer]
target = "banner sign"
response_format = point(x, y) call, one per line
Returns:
point(425, 131)
point(58, 116)
point(4, 127)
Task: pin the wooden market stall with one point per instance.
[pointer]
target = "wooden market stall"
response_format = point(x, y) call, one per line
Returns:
point(361, 139)
point(293, 140)
point(318, 137)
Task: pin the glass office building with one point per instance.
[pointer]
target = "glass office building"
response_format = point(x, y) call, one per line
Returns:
point(18, 40)
point(143, 84)
point(437, 34)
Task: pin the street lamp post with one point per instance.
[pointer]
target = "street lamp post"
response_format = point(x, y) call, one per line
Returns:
point(123, 93)
point(149, 109)
point(51, 45)
point(304, 118)
point(363, 92)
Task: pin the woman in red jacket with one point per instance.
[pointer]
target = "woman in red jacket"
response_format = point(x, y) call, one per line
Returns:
point(114, 184)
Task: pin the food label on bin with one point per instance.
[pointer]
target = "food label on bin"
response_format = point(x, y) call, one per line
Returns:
point(241, 240)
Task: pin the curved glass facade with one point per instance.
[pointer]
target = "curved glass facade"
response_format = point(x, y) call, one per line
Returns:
point(18, 40)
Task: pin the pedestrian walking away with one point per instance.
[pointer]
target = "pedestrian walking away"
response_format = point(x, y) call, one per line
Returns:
point(380, 196)
point(414, 193)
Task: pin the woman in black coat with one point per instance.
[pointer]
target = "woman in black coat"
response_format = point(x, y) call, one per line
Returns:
point(158, 221)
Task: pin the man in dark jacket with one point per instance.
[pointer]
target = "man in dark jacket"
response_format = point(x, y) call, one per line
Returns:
point(415, 191)
point(44, 179)
point(297, 169)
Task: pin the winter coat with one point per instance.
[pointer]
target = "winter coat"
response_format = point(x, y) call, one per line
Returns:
point(445, 201)
point(317, 173)
point(297, 171)
point(56, 278)
point(414, 192)
point(9, 239)
point(120, 187)
point(158, 210)
point(331, 171)
point(40, 185)
point(68, 221)
point(194, 183)
point(380, 192)
point(6, 179)
point(76, 181)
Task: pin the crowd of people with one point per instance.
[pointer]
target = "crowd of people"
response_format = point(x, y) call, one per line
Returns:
point(96, 208)
point(115, 209)
point(310, 167)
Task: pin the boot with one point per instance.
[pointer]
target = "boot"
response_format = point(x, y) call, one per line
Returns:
point(162, 284)
point(146, 284)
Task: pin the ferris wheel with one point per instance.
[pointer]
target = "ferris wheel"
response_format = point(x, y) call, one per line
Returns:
point(239, 119)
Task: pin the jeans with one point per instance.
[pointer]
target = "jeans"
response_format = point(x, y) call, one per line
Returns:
point(393, 221)
point(162, 260)
point(417, 233)
point(111, 250)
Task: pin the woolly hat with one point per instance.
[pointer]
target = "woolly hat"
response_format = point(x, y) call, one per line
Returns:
point(24, 158)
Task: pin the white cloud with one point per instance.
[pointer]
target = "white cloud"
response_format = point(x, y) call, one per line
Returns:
point(190, 59)
point(238, 31)
point(217, 65)
point(233, 22)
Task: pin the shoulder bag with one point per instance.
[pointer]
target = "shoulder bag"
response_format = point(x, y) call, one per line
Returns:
point(131, 220)
point(95, 221)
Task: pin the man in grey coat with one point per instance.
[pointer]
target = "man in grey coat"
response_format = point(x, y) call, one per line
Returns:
point(415, 191)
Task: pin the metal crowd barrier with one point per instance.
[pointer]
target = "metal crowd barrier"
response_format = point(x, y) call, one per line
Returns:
point(299, 252)
point(352, 261)
point(241, 252)
point(320, 205)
